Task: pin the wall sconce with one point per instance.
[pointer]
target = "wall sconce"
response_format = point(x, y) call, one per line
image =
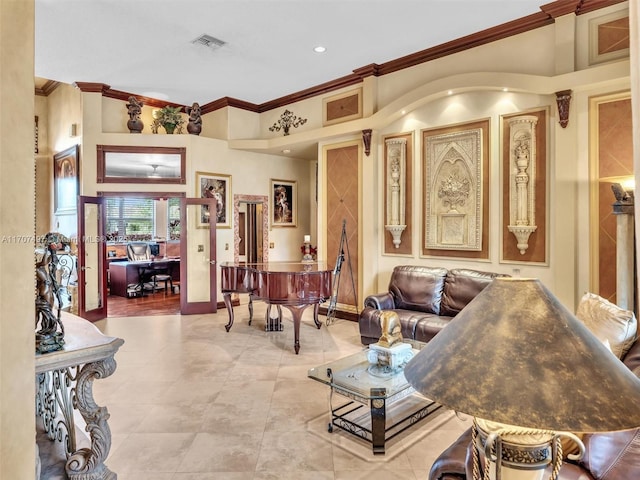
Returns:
point(286, 121)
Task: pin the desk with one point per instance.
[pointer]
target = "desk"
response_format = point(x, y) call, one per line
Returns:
point(64, 380)
point(122, 274)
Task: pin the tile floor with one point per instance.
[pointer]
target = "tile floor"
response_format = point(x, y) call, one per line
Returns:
point(190, 401)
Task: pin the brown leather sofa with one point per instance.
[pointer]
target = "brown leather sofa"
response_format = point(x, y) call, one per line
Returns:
point(609, 456)
point(425, 298)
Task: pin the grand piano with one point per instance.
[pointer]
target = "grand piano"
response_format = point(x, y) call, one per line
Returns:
point(293, 285)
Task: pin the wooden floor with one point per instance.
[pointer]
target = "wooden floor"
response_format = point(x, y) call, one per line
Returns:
point(158, 303)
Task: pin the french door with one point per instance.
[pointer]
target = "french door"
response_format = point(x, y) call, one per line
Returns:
point(92, 278)
point(198, 284)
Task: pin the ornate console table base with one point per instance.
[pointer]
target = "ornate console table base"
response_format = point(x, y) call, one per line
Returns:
point(64, 383)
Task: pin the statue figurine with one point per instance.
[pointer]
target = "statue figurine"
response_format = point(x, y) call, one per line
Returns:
point(391, 329)
point(48, 337)
point(134, 109)
point(194, 127)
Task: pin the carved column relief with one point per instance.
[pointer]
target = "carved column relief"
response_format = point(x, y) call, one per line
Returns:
point(522, 161)
point(397, 186)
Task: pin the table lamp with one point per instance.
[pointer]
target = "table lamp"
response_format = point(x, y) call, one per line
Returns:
point(528, 370)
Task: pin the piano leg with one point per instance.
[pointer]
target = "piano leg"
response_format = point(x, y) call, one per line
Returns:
point(296, 313)
point(250, 308)
point(227, 302)
point(316, 307)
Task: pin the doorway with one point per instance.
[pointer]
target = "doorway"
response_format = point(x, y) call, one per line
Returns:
point(251, 223)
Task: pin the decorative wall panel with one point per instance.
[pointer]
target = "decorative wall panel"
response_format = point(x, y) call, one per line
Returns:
point(609, 37)
point(342, 107)
point(342, 205)
point(455, 190)
point(524, 187)
point(398, 181)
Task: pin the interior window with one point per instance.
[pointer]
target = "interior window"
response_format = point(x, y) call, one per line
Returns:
point(173, 219)
point(130, 218)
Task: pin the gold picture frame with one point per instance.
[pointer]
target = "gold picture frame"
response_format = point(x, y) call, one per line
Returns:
point(284, 203)
point(218, 186)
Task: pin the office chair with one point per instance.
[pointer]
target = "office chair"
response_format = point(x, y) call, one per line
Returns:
point(138, 251)
point(150, 275)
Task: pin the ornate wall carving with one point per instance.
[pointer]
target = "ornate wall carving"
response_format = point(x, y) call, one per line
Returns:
point(522, 165)
point(453, 165)
point(396, 180)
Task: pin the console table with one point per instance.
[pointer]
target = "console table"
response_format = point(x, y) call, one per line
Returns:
point(64, 382)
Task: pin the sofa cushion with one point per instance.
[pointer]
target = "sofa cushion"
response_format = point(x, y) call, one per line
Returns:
point(461, 286)
point(612, 455)
point(417, 288)
point(609, 322)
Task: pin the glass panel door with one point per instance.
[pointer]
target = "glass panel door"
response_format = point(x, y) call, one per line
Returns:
point(92, 279)
point(198, 256)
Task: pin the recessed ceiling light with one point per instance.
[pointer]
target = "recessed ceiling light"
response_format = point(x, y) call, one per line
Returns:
point(450, 92)
point(286, 150)
point(505, 89)
point(403, 112)
point(319, 49)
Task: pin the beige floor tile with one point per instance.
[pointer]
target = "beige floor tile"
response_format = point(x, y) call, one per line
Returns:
point(292, 451)
point(221, 452)
point(190, 401)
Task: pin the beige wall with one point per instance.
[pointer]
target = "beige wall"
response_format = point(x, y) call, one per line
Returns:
point(17, 306)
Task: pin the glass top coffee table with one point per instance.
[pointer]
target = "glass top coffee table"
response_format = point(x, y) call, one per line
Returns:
point(378, 388)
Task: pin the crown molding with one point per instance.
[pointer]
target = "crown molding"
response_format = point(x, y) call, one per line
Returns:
point(47, 88)
point(547, 15)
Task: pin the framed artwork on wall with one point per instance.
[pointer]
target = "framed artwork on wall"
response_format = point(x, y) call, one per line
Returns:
point(66, 181)
point(455, 190)
point(218, 186)
point(284, 203)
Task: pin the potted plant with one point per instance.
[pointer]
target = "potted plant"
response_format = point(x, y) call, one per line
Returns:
point(169, 118)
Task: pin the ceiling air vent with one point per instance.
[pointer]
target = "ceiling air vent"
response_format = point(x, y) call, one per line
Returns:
point(208, 41)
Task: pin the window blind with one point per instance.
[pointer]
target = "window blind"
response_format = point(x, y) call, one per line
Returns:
point(130, 218)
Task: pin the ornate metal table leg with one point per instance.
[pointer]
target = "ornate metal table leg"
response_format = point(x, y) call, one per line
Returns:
point(316, 307)
point(227, 302)
point(250, 308)
point(88, 463)
point(378, 419)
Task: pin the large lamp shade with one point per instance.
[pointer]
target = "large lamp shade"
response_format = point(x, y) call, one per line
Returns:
point(517, 356)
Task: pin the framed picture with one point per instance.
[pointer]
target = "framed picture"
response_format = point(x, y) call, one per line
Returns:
point(66, 181)
point(218, 186)
point(284, 203)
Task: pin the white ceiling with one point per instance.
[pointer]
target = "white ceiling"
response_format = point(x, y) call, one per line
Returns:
point(144, 46)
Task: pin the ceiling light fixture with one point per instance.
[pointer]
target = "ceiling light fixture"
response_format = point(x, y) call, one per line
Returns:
point(450, 92)
point(286, 150)
point(505, 89)
point(155, 173)
point(319, 49)
point(209, 41)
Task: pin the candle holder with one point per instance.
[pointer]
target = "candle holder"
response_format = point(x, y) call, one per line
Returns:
point(308, 252)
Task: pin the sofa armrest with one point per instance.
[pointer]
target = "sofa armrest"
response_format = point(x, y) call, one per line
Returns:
point(451, 464)
point(380, 301)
